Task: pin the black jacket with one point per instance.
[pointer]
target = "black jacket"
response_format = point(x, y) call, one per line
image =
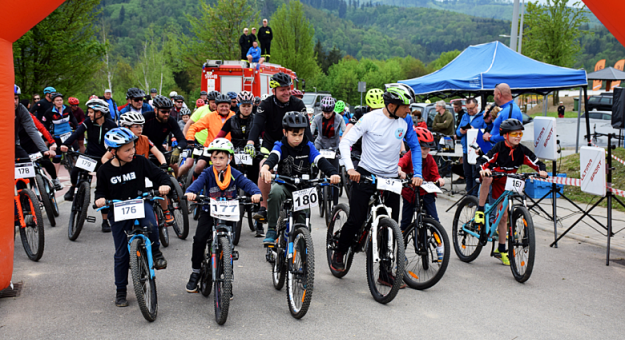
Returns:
point(238, 129)
point(265, 34)
point(40, 108)
point(128, 181)
point(245, 41)
point(297, 161)
point(157, 132)
point(268, 119)
point(95, 136)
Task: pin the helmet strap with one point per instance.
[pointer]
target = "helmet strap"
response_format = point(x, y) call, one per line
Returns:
point(392, 114)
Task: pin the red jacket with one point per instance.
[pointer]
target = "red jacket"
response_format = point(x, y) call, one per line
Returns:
point(429, 171)
point(47, 137)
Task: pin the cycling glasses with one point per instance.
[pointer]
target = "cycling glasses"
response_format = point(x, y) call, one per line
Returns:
point(515, 134)
point(140, 99)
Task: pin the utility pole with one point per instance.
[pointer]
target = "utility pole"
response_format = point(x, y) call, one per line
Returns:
point(521, 28)
point(515, 26)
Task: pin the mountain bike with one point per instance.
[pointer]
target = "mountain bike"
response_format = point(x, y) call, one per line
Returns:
point(243, 163)
point(326, 192)
point(28, 217)
point(80, 205)
point(44, 189)
point(469, 237)
point(380, 237)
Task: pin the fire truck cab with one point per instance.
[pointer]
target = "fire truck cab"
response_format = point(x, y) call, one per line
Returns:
point(234, 75)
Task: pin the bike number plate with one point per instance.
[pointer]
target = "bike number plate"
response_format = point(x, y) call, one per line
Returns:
point(430, 187)
point(389, 184)
point(35, 156)
point(86, 163)
point(305, 199)
point(206, 153)
point(65, 136)
point(185, 154)
point(515, 185)
point(242, 158)
point(225, 210)
point(197, 152)
point(128, 210)
point(328, 154)
point(24, 170)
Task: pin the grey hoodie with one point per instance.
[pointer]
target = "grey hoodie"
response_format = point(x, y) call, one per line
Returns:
point(23, 120)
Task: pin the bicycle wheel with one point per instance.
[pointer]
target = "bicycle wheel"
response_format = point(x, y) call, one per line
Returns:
point(45, 199)
point(339, 217)
point(466, 246)
point(206, 273)
point(32, 235)
point(521, 244)
point(49, 189)
point(278, 269)
point(329, 204)
point(142, 281)
point(386, 276)
point(163, 233)
point(238, 225)
point(189, 176)
point(250, 218)
point(423, 269)
point(301, 275)
point(321, 193)
point(178, 206)
point(78, 214)
point(223, 281)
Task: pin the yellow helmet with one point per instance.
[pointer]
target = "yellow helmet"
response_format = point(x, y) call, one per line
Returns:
point(374, 98)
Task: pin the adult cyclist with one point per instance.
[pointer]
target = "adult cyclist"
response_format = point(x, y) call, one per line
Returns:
point(137, 102)
point(40, 107)
point(158, 125)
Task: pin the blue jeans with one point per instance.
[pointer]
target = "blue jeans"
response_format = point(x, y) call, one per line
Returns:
point(471, 173)
point(407, 210)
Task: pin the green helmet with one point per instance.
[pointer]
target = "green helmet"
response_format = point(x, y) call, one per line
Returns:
point(221, 144)
point(339, 107)
point(400, 94)
point(374, 99)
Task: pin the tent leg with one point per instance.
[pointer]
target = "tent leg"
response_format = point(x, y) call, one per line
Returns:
point(579, 115)
point(586, 113)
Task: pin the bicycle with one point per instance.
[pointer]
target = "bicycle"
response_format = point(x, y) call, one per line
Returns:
point(140, 248)
point(325, 192)
point(44, 190)
point(28, 217)
point(80, 204)
point(243, 163)
point(380, 237)
point(469, 237)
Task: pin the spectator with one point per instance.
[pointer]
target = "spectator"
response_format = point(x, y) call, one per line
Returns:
point(472, 120)
point(509, 109)
point(245, 41)
point(418, 119)
point(489, 117)
point(113, 109)
point(253, 54)
point(459, 111)
point(253, 35)
point(36, 98)
point(43, 105)
point(265, 35)
point(561, 110)
point(175, 110)
point(444, 121)
point(204, 96)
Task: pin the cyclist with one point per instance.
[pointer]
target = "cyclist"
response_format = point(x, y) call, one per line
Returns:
point(268, 119)
point(219, 180)
point(40, 107)
point(121, 179)
point(24, 121)
point(59, 121)
point(506, 156)
point(204, 95)
point(294, 154)
point(297, 94)
point(200, 136)
point(198, 104)
point(239, 125)
point(184, 117)
point(177, 108)
point(508, 109)
point(137, 104)
point(382, 132)
point(256, 103)
point(233, 101)
point(31, 148)
point(79, 114)
point(158, 125)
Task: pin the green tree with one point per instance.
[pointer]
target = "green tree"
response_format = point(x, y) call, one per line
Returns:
point(151, 69)
point(61, 51)
point(444, 59)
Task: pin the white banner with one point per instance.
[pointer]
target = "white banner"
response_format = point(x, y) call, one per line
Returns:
point(592, 170)
point(545, 145)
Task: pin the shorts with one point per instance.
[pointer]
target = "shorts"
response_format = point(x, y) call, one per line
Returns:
point(498, 186)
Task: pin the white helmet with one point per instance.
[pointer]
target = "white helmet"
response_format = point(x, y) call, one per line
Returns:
point(131, 118)
point(98, 104)
point(173, 94)
point(264, 96)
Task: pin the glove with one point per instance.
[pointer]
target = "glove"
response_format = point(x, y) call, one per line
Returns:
point(250, 150)
point(164, 166)
point(175, 156)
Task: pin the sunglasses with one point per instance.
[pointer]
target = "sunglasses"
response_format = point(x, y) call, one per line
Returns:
point(137, 99)
point(515, 134)
point(179, 101)
point(164, 111)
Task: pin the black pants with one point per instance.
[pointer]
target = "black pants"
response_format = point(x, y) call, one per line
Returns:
point(21, 153)
point(471, 173)
point(358, 204)
point(45, 162)
point(334, 191)
point(203, 235)
point(265, 49)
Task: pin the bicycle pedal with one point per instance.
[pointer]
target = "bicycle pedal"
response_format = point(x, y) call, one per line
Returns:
point(235, 255)
point(90, 219)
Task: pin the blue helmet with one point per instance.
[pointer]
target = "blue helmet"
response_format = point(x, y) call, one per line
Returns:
point(49, 89)
point(232, 95)
point(16, 90)
point(119, 137)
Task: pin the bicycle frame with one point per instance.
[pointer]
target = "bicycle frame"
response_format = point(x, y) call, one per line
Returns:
point(373, 221)
point(505, 199)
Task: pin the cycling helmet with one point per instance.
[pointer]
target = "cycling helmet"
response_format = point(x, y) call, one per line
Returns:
point(118, 137)
point(222, 98)
point(297, 93)
point(280, 80)
point(134, 92)
point(173, 94)
point(162, 102)
point(400, 94)
point(374, 99)
point(256, 100)
point(265, 96)
point(295, 120)
point(94, 97)
point(339, 107)
point(98, 104)
point(245, 97)
point(49, 89)
point(185, 111)
point(131, 118)
point(221, 144)
point(153, 90)
point(426, 139)
point(327, 104)
point(73, 101)
point(17, 90)
point(212, 95)
point(199, 103)
point(179, 97)
point(232, 95)
point(56, 94)
point(203, 93)
point(510, 125)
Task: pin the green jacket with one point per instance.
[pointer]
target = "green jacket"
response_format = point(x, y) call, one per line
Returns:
point(444, 124)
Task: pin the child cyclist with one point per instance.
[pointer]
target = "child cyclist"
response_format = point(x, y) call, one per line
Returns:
point(506, 156)
point(121, 179)
point(294, 155)
point(218, 180)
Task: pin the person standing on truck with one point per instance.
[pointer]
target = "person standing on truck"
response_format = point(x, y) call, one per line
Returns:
point(245, 41)
point(265, 35)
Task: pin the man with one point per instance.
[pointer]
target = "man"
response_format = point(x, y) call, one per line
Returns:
point(113, 109)
point(256, 103)
point(253, 54)
point(153, 93)
point(23, 120)
point(265, 35)
point(253, 34)
point(204, 96)
point(508, 109)
point(137, 104)
point(175, 110)
point(561, 110)
point(459, 111)
point(158, 125)
point(444, 121)
point(472, 120)
point(245, 41)
point(40, 107)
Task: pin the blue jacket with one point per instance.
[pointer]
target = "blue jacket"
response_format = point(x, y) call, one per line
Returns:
point(478, 123)
point(255, 52)
point(508, 110)
point(145, 108)
point(208, 183)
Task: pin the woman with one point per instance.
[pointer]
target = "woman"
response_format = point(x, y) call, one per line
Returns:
point(60, 121)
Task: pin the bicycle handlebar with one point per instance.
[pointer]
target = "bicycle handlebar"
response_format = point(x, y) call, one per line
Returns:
point(151, 195)
point(204, 200)
point(513, 175)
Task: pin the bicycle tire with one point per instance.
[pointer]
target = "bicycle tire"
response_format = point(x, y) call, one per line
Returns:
point(163, 233)
point(339, 217)
point(33, 237)
point(392, 267)
point(347, 183)
point(329, 205)
point(223, 282)
point(206, 274)
point(78, 214)
point(301, 277)
point(278, 268)
point(466, 246)
point(238, 226)
point(322, 200)
point(143, 283)
point(250, 218)
point(52, 195)
point(45, 199)
point(189, 176)
point(521, 251)
point(180, 210)
point(418, 265)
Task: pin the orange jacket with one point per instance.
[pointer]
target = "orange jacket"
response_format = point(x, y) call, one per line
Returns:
point(212, 122)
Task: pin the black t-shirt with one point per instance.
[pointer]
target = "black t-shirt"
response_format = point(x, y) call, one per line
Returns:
point(157, 132)
point(40, 108)
point(269, 116)
point(128, 181)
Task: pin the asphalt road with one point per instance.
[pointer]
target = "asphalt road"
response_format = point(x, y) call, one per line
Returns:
point(69, 294)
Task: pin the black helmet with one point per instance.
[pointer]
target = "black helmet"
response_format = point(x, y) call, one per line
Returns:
point(295, 120)
point(256, 100)
point(134, 92)
point(56, 94)
point(153, 90)
point(280, 80)
point(178, 97)
point(203, 93)
point(162, 102)
point(212, 95)
point(222, 98)
point(510, 125)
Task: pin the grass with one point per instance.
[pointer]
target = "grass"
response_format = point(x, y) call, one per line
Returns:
point(567, 114)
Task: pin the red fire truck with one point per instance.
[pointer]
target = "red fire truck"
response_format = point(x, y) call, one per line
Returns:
point(233, 75)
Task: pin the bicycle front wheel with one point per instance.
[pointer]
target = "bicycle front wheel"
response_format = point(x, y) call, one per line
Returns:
point(301, 275)
point(45, 199)
point(206, 273)
point(32, 233)
point(223, 281)
point(333, 234)
point(180, 209)
point(385, 276)
point(80, 207)
point(143, 283)
point(466, 245)
point(521, 244)
point(424, 265)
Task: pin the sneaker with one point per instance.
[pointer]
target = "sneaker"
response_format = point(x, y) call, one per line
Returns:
point(388, 279)
point(271, 236)
point(503, 257)
point(260, 231)
point(231, 296)
point(169, 218)
point(338, 263)
point(479, 217)
point(57, 184)
point(192, 284)
point(261, 215)
point(159, 259)
point(69, 195)
point(120, 299)
point(106, 228)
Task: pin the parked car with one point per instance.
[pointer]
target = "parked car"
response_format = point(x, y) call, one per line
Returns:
point(603, 115)
point(526, 118)
point(312, 100)
point(602, 102)
point(428, 112)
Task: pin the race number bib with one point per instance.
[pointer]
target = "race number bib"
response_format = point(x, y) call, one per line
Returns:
point(389, 184)
point(65, 136)
point(206, 153)
point(128, 210)
point(24, 170)
point(86, 163)
point(185, 154)
point(328, 154)
point(35, 156)
point(430, 187)
point(515, 185)
point(225, 210)
point(197, 152)
point(243, 158)
point(305, 199)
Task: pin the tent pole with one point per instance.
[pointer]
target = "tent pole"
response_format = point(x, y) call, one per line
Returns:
point(545, 104)
point(579, 115)
point(586, 113)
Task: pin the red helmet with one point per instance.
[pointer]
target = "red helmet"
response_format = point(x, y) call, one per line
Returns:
point(426, 139)
point(94, 97)
point(297, 93)
point(73, 101)
point(200, 102)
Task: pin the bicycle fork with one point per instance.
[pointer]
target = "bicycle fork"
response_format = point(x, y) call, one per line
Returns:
point(148, 248)
point(374, 233)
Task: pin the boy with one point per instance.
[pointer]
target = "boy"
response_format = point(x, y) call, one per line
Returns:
point(218, 180)
point(293, 155)
point(184, 117)
point(121, 179)
point(506, 156)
